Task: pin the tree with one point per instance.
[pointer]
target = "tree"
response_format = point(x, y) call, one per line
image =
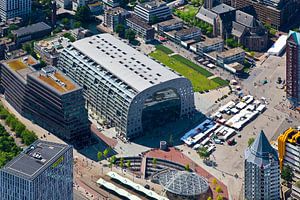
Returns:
point(250, 141)
point(203, 153)
point(120, 29)
point(287, 173)
point(65, 22)
point(209, 198)
point(106, 152)
point(218, 189)
point(187, 167)
point(154, 162)
point(128, 164)
point(130, 35)
point(99, 155)
point(77, 24)
point(28, 137)
point(219, 197)
point(121, 162)
point(83, 14)
point(19, 129)
point(214, 182)
point(69, 36)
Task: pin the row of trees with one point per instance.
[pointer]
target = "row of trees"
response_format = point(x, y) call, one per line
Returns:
point(8, 147)
point(27, 137)
point(128, 34)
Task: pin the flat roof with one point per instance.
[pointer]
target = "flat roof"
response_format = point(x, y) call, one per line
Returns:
point(187, 31)
point(21, 63)
point(141, 22)
point(210, 41)
point(33, 28)
point(129, 65)
point(231, 52)
point(57, 81)
point(35, 159)
point(170, 22)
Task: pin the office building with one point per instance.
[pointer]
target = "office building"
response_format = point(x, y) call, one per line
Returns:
point(140, 26)
point(277, 13)
point(14, 8)
point(153, 11)
point(262, 173)
point(46, 97)
point(289, 151)
point(209, 45)
point(293, 67)
point(64, 4)
point(115, 16)
point(169, 25)
point(127, 89)
point(191, 33)
point(249, 32)
point(44, 170)
point(49, 49)
point(230, 56)
point(112, 3)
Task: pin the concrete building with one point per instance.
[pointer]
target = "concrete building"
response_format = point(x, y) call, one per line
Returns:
point(192, 33)
point(124, 87)
point(153, 11)
point(262, 174)
point(293, 67)
point(49, 49)
point(231, 56)
point(64, 4)
point(278, 13)
point(47, 97)
point(141, 27)
point(112, 3)
point(170, 25)
point(249, 32)
point(44, 170)
point(289, 152)
point(209, 45)
point(31, 32)
point(115, 16)
point(14, 8)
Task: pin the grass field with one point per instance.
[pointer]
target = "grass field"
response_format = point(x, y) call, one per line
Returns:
point(181, 65)
point(164, 49)
point(192, 65)
point(220, 81)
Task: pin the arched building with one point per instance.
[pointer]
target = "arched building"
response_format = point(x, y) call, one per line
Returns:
point(126, 88)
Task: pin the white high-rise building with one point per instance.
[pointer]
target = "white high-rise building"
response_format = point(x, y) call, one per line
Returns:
point(262, 173)
point(14, 8)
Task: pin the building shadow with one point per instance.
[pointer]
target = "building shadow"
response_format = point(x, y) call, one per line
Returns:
point(171, 132)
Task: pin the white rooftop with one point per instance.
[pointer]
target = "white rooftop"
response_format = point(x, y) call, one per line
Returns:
point(278, 46)
point(123, 61)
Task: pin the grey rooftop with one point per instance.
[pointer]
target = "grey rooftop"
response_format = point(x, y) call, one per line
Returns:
point(222, 8)
point(261, 151)
point(129, 65)
point(41, 26)
point(35, 159)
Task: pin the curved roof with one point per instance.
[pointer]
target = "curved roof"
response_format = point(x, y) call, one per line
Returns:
point(129, 65)
point(182, 182)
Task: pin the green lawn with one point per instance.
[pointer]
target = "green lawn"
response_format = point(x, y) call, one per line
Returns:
point(199, 81)
point(220, 81)
point(163, 49)
point(188, 13)
point(190, 64)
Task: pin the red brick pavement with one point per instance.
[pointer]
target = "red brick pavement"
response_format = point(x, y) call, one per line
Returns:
point(109, 141)
point(178, 157)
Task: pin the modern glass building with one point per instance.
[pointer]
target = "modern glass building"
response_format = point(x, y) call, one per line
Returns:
point(47, 97)
point(124, 87)
point(42, 171)
point(14, 8)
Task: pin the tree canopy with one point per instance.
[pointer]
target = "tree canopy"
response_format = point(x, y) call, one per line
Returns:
point(287, 173)
point(83, 14)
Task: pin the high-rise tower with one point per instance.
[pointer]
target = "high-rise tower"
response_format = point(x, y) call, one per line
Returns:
point(293, 67)
point(262, 174)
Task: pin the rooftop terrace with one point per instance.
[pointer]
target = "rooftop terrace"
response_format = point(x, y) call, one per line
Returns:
point(55, 79)
point(21, 63)
point(36, 158)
